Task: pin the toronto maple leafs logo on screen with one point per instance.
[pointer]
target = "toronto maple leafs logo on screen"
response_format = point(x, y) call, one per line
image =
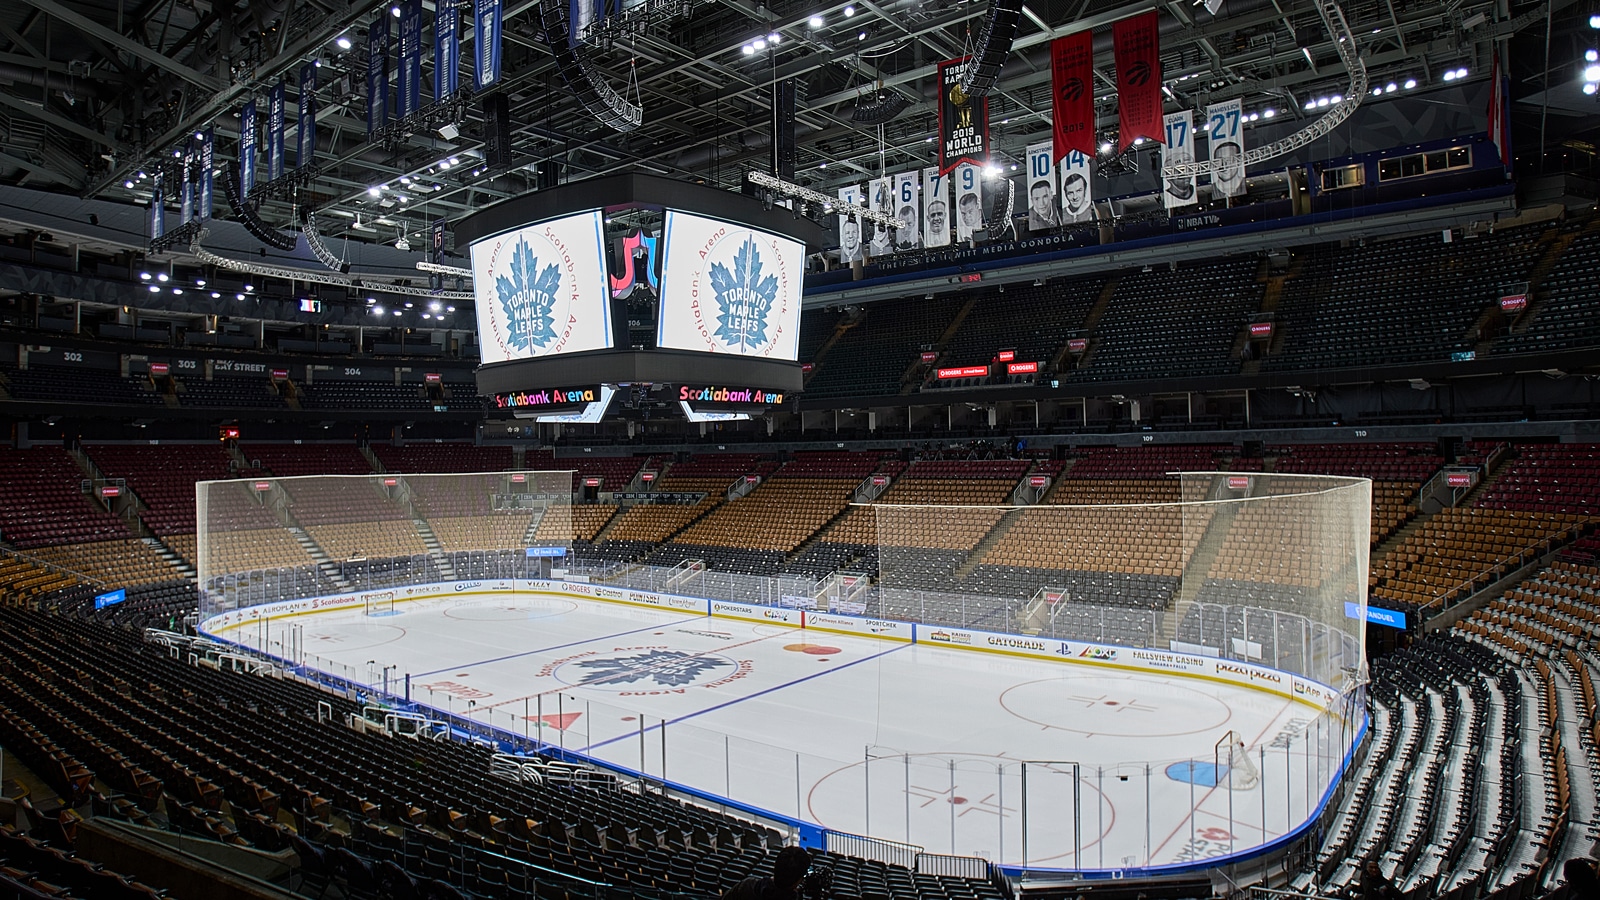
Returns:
point(746, 296)
point(667, 668)
point(527, 297)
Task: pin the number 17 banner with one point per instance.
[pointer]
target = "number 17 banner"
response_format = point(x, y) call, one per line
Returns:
point(1178, 191)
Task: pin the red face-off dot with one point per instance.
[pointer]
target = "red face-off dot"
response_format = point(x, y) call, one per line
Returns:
point(812, 649)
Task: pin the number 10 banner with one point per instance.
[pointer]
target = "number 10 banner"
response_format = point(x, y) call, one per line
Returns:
point(1225, 132)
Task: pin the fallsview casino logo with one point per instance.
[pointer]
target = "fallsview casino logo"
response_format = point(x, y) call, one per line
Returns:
point(745, 313)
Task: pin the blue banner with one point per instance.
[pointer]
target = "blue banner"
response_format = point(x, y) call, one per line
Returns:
point(186, 201)
point(1390, 617)
point(208, 160)
point(582, 14)
point(446, 51)
point(486, 42)
point(158, 220)
point(247, 150)
point(275, 132)
point(306, 139)
point(436, 241)
point(551, 552)
point(101, 601)
point(377, 74)
point(410, 75)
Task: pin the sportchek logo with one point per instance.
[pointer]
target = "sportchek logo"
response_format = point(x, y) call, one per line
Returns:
point(468, 585)
point(1014, 643)
point(1104, 654)
point(879, 627)
point(950, 637)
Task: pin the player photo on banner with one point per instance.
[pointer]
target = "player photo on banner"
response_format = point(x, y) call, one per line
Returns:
point(1077, 202)
point(1178, 191)
point(1041, 187)
point(969, 203)
point(542, 289)
point(1225, 133)
point(880, 196)
point(908, 210)
point(850, 243)
point(935, 208)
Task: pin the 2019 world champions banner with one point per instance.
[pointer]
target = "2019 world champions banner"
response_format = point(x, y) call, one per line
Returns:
point(963, 121)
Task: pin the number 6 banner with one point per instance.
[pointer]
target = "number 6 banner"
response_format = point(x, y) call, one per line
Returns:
point(906, 208)
point(1225, 132)
point(1178, 191)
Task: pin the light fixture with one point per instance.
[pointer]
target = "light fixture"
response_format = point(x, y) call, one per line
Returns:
point(249, 288)
point(154, 289)
point(861, 35)
point(161, 276)
point(1268, 113)
point(774, 38)
point(1390, 88)
point(1410, 83)
point(761, 43)
point(435, 306)
point(816, 22)
point(1105, 146)
point(1590, 87)
point(1377, 92)
point(374, 191)
point(1338, 98)
point(1591, 55)
point(238, 296)
point(1594, 21)
point(394, 11)
point(991, 171)
point(1321, 102)
point(128, 185)
point(144, 276)
point(1450, 75)
point(177, 290)
point(377, 310)
point(1311, 104)
point(449, 131)
point(216, 295)
point(343, 42)
point(199, 282)
point(749, 50)
point(394, 312)
point(1591, 74)
point(849, 11)
point(449, 309)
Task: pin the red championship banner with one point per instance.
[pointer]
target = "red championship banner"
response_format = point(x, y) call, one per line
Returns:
point(1072, 87)
point(1137, 44)
point(1499, 119)
point(963, 121)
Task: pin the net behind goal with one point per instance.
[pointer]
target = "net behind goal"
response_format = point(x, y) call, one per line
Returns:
point(380, 603)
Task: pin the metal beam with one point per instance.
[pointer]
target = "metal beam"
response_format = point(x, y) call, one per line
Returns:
point(100, 32)
point(61, 122)
point(41, 169)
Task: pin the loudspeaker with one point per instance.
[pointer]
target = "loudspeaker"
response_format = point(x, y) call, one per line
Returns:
point(262, 232)
point(497, 131)
point(580, 73)
point(994, 44)
point(783, 129)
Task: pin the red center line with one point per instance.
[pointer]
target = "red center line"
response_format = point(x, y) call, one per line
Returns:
point(1214, 788)
point(631, 673)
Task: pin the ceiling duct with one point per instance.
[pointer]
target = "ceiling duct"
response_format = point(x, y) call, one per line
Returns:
point(879, 107)
point(581, 74)
point(994, 44)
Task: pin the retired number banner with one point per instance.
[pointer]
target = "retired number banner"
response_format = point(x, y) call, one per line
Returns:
point(1178, 191)
point(850, 235)
point(935, 208)
point(1225, 132)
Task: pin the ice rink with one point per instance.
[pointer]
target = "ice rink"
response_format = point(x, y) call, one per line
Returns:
point(1021, 761)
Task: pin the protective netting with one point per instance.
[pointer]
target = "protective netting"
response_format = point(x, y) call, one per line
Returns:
point(263, 540)
point(1262, 568)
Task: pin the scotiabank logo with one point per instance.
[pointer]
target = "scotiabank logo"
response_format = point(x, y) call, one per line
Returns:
point(726, 395)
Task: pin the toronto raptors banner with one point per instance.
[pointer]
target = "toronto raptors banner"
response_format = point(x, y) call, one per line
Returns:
point(1077, 199)
point(1041, 188)
point(247, 150)
point(880, 196)
point(849, 226)
point(963, 121)
point(935, 208)
point(1136, 42)
point(1225, 134)
point(1178, 191)
point(969, 203)
point(1072, 87)
point(907, 209)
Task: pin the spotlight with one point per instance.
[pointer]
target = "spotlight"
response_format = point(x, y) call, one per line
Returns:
point(1377, 92)
point(1450, 75)
point(991, 171)
point(1321, 102)
point(774, 38)
point(343, 42)
point(1311, 104)
point(449, 132)
point(749, 50)
point(1338, 98)
point(1591, 74)
point(374, 191)
point(761, 43)
point(1591, 55)
point(395, 311)
point(154, 289)
point(238, 296)
point(1390, 88)
point(199, 282)
point(215, 295)
point(1410, 83)
point(144, 276)
point(816, 22)
point(861, 35)
point(849, 11)
point(435, 306)
point(249, 288)
point(1105, 146)
point(1268, 113)
point(128, 185)
point(161, 276)
point(1589, 88)
point(377, 310)
point(1594, 21)
point(394, 11)
point(177, 290)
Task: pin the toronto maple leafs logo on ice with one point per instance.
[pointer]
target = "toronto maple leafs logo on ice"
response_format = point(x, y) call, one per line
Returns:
point(746, 296)
point(527, 297)
point(667, 668)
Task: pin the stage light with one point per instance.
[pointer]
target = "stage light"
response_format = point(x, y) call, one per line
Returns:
point(816, 22)
point(343, 42)
point(249, 288)
point(394, 11)
point(377, 310)
point(1591, 74)
point(774, 38)
point(1377, 92)
point(1590, 88)
point(749, 50)
point(1390, 88)
point(128, 185)
point(238, 296)
point(216, 295)
point(1594, 21)
point(374, 191)
point(761, 43)
point(144, 276)
point(199, 282)
point(177, 290)
point(1410, 83)
point(161, 277)
point(1268, 113)
point(154, 289)
point(1591, 55)
point(1338, 98)
point(435, 306)
point(861, 35)
point(849, 11)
